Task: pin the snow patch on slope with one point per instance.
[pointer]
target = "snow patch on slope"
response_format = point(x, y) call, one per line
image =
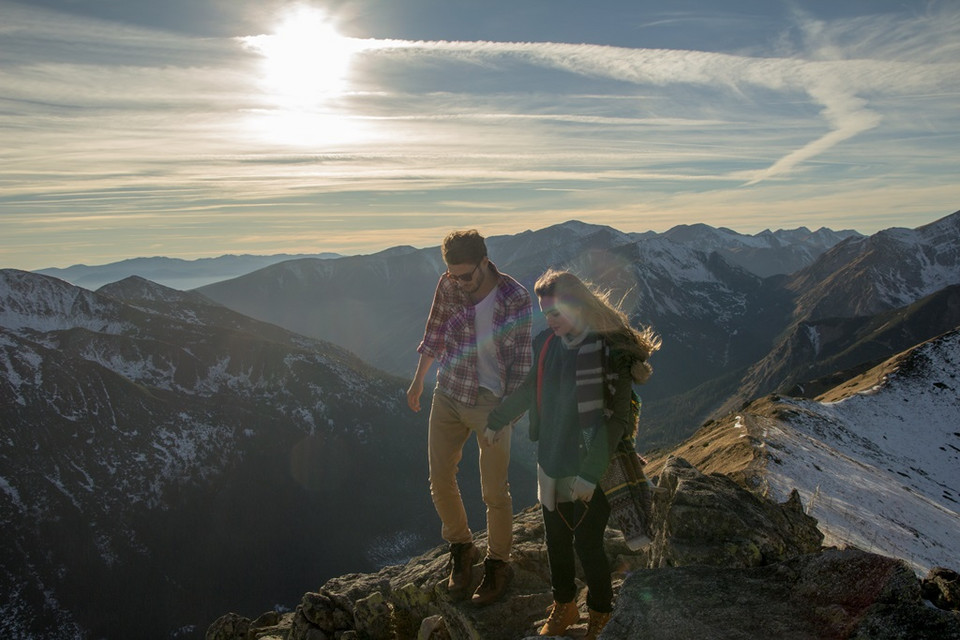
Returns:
point(880, 470)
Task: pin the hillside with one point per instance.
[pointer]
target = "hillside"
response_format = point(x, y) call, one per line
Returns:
point(797, 519)
point(152, 440)
point(876, 459)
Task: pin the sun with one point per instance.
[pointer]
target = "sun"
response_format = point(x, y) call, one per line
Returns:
point(304, 69)
point(305, 61)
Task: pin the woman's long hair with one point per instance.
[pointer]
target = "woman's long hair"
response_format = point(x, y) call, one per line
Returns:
point(599, 313)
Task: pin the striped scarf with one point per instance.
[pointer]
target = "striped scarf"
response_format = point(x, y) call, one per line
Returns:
point(590, 378)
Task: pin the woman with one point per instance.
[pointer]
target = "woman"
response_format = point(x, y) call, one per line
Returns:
point(579, 395)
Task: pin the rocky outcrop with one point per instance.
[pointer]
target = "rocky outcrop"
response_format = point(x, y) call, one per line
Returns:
point(724, 563)
point(941, 586)
point(712, 520)
point(824, 596)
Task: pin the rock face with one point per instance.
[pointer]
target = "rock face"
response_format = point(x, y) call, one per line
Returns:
point(942, 588)
point(711, 520)
point(724, 563)
point(833, 594)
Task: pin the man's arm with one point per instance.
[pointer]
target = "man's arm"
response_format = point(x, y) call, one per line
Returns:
point(416, 387)
point(430, 346)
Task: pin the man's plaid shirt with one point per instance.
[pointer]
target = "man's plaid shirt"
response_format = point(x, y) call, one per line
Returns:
point(450, 337)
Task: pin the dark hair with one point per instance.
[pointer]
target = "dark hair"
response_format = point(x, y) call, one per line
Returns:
point(464, 247)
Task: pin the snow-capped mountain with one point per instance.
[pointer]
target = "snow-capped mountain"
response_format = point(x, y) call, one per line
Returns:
point(725, 326)
point(890, 269)
point(153, 442)
point(862, 301)
point(876, 460)
point(171, 272)
point(767, 253)
point(389, 295)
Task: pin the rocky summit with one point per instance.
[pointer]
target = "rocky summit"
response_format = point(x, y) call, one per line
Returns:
point(724, 563)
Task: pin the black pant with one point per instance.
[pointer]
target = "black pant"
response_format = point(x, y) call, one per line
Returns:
point(586, 537)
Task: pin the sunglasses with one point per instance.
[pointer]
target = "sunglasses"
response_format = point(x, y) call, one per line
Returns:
point(466, 277)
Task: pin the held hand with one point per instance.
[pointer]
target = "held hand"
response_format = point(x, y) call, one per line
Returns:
point(413, 395)
point(582, 489)
point(491, 436)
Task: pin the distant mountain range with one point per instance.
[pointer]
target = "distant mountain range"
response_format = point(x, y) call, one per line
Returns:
point(171, 272)
point(731, 330)
point(193, 452)
point(376, 305)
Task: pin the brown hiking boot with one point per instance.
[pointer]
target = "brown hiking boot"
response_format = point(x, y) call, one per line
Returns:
point(463, 555)
point(597, 622)
point(497, 575)
point(562, 615)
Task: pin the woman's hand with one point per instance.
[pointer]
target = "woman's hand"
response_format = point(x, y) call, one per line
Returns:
point(491, 436)
point(582, 489)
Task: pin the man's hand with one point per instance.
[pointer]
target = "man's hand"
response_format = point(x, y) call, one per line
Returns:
point(414, 393)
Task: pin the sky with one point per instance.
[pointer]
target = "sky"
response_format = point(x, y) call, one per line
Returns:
point(197, 128)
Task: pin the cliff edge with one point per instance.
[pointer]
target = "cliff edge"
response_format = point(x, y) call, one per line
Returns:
point(725, 563)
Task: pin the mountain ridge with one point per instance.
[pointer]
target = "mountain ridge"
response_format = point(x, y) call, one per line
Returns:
point(735, 522)
point(715, 315)
point(145, 447)
point(893, 424)
point(174, 272)
point(191, 417)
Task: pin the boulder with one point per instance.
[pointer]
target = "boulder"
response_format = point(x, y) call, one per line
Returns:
point(231, 626)
point(821, 596)
point(711, 520)
point(941, 586)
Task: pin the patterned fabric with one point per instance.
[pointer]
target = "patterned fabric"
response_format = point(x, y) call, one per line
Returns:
point(450, 337)
point(623, 483)
point(630, 496)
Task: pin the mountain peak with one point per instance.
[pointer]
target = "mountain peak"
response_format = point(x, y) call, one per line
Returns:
point(137, 289)
point(44, 303)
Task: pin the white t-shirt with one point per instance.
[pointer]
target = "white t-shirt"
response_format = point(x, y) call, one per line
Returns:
point(488, 366)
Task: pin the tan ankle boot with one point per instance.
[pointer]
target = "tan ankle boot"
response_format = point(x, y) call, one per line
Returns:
point(497, 575)
point(462, 558)
point(562, 615)
point(597, 622)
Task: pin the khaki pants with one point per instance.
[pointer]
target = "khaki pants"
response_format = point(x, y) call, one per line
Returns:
point(451, 424)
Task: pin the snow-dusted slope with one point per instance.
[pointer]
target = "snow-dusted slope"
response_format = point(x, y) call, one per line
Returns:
point(28, 301)
point(764, 254)
point(888, 270)
point(150, 443)
point(876, 460)
point(880, 467)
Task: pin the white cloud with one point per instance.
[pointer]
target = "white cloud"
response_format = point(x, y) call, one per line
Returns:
point(840, 87)
point(114, 121)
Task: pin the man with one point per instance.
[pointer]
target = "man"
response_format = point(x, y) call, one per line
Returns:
point(478, 330)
